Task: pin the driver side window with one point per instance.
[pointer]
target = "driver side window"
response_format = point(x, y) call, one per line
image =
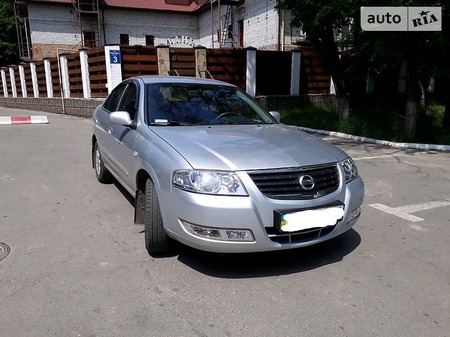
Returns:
point(113, 99)
point(129, 100)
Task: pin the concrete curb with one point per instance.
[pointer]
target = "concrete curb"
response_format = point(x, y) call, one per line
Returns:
point(415, 146)
point(9, 120)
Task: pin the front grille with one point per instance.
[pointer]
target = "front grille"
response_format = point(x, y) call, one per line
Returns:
point(296, 237)
point(284, 183)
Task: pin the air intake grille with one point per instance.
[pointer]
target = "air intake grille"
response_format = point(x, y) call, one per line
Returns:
point(296, 237)
point(285, 183)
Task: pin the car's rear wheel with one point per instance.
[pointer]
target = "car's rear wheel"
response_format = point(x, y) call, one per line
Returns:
point(156, 239)
point(101, 172)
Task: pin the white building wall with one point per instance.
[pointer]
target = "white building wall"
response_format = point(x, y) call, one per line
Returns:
point(261, 25)
point(261, 21)
point(55, 24)
point(137, 24)
point(205, 29)
point(58, 25)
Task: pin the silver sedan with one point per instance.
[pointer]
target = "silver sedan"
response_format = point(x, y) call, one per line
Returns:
point(210, 168)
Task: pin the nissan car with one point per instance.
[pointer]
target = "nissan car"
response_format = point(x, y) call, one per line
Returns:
point(210, 168)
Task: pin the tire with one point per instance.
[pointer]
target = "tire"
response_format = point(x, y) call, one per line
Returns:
point(156, 239)
point(101, 172)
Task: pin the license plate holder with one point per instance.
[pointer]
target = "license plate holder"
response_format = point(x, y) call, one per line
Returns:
point(297, 220)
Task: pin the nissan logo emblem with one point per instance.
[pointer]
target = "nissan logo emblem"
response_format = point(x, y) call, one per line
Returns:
point(307, 182)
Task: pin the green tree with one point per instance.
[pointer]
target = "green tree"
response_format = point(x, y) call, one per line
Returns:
point(442, 61)
point(425, 54)
point(8, 36)
point(320, 20)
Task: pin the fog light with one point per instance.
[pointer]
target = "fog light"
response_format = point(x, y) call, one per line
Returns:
point(244, 235)
point(354, 214)
point(206, 232)
point(239, 235)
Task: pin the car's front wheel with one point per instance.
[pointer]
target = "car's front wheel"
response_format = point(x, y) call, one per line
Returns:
point(156, 239)
point(101, 172)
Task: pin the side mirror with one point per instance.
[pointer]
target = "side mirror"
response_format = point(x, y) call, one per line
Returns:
point(120, 118)
point(276, 115)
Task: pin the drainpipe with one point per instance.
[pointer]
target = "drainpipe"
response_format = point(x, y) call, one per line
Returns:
point(103, 26)
point(63, 77)
point(212, 25)
point(281, 27)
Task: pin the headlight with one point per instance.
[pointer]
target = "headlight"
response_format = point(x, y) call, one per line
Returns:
point(350, 169)
point(208, 182)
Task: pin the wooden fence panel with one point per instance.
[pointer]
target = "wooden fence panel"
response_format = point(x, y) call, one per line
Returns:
point(228, 65)
point(314, 76)
point(28, 80)
point(41, 82)
point(182, 60)
point(8, 83)
point(273, 72)
point(97, 72)
point(56, 82)
point(75, 79)
point(138, 60)
point(17, 82)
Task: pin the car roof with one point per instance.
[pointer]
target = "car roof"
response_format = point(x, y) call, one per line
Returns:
point(149, 79)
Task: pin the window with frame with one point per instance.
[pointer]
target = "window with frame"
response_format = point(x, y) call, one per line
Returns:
point(124, 39)
point(149, 40)
point(112, 101)
point(129, 100)
point(89, 39)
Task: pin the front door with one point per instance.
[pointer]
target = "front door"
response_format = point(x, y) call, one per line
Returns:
point(124, 136)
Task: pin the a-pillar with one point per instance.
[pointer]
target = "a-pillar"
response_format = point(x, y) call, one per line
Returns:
point(250, 83)
point(113, 60)
point(85, 73)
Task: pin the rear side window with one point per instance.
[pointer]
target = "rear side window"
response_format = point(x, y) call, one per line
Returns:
point(113, 99)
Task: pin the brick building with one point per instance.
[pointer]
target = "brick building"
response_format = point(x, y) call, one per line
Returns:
point(46, 27)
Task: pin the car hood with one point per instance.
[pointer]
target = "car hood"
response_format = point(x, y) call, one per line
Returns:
point(248, 147)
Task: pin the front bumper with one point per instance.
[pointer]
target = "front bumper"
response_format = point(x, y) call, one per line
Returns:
point(255, 212)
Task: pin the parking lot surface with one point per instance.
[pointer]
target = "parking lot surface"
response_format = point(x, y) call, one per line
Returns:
point(77, 265)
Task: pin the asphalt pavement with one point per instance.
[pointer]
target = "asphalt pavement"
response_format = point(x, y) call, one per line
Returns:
point(74, 264)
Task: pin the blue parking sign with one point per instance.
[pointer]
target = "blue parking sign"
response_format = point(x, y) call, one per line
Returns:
point(114, 56)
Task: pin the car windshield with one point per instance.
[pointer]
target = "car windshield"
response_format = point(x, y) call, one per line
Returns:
point(201, 104)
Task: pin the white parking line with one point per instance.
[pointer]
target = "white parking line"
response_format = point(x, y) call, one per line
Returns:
point(404, 211)
point(393, 155)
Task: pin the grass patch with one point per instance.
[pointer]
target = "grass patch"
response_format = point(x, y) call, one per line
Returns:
point(374, 123)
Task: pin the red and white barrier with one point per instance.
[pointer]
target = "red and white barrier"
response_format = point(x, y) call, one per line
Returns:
point(9, 120)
